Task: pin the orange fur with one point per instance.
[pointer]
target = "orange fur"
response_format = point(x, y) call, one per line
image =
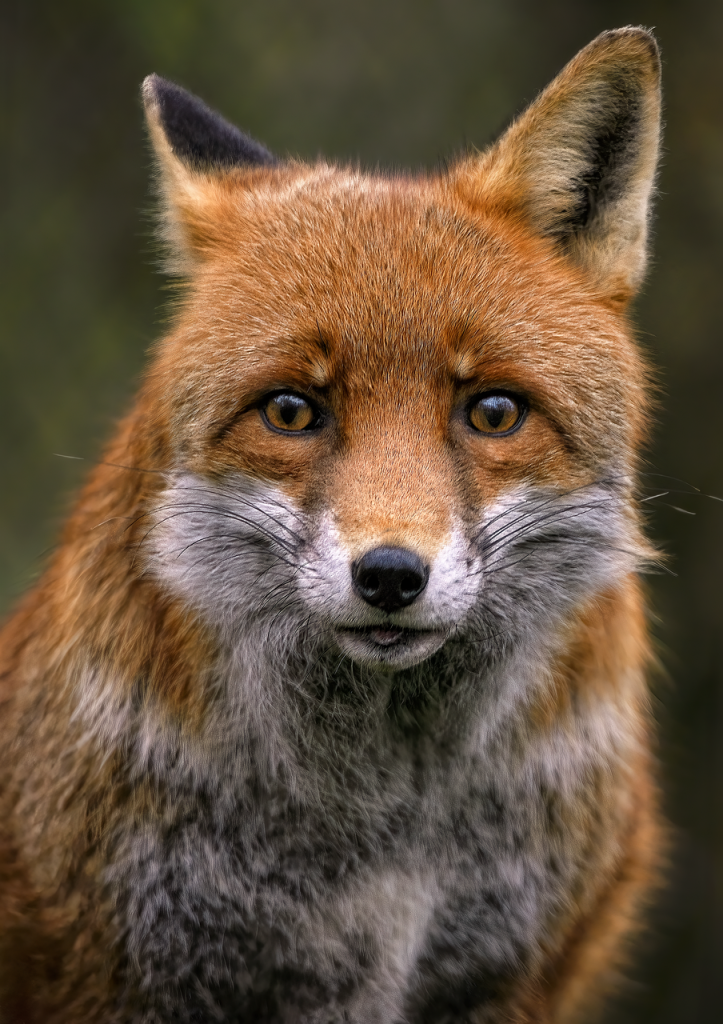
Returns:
point(391, 301)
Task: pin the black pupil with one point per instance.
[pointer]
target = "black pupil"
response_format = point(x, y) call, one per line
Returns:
point(495, 408)
point(290, 407)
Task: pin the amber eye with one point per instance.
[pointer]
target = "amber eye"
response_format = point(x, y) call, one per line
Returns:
point(495, 413)
point(290, 412)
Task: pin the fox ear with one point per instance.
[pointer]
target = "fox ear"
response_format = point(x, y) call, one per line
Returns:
point(579, 164)
point(196, 149)
point(196, 135)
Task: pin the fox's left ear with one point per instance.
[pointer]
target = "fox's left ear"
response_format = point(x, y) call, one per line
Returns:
point(579, 164)
point(196, 150)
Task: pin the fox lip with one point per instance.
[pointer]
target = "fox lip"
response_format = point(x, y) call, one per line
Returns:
point(389, 644)
point(386, 636)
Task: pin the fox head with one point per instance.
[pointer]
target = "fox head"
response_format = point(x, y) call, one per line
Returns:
point(401, 412)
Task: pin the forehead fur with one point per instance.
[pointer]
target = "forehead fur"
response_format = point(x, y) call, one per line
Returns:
point(382, 282)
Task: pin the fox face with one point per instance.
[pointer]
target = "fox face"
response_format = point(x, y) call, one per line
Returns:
point(341, 659)
point(423, 429)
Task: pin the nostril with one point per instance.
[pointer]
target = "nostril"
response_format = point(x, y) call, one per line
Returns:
point(389, 578)
point(409, 584)
point(370, 582)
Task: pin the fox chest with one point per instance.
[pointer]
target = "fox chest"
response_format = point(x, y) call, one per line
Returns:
point(431, 905)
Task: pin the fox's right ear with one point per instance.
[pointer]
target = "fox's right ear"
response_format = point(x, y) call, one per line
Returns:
point(197, 150)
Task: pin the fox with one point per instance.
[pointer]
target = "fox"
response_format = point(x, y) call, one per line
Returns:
point(333, 701)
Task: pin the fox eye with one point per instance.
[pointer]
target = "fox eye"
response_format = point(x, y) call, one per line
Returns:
point(289, 412)
point(495, 413)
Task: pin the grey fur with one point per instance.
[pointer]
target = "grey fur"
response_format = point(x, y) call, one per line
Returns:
point(344, 842)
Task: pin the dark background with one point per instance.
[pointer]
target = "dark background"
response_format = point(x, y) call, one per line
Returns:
point(395, 82)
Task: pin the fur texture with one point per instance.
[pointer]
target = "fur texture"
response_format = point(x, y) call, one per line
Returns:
point(234, 790)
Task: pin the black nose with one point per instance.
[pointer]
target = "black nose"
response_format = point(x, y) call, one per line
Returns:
point(389, 578)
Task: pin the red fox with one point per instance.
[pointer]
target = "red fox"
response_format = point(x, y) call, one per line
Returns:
point(332, 703)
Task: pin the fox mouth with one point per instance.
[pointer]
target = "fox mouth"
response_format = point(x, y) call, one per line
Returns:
point(389, 644)
point(386, 636)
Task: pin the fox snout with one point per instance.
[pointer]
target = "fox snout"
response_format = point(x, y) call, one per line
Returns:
point(388, 599)
point(389, 578)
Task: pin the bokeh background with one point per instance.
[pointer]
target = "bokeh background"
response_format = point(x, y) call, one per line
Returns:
point(390, 82)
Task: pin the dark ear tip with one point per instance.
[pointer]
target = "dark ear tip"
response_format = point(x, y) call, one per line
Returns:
point(162, 93)
point(636, 36)
point(198, 135)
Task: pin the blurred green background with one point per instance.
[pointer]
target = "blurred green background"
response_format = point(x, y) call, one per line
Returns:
point(394, 82)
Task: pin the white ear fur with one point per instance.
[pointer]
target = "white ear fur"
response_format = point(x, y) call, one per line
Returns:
point(579, 164)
